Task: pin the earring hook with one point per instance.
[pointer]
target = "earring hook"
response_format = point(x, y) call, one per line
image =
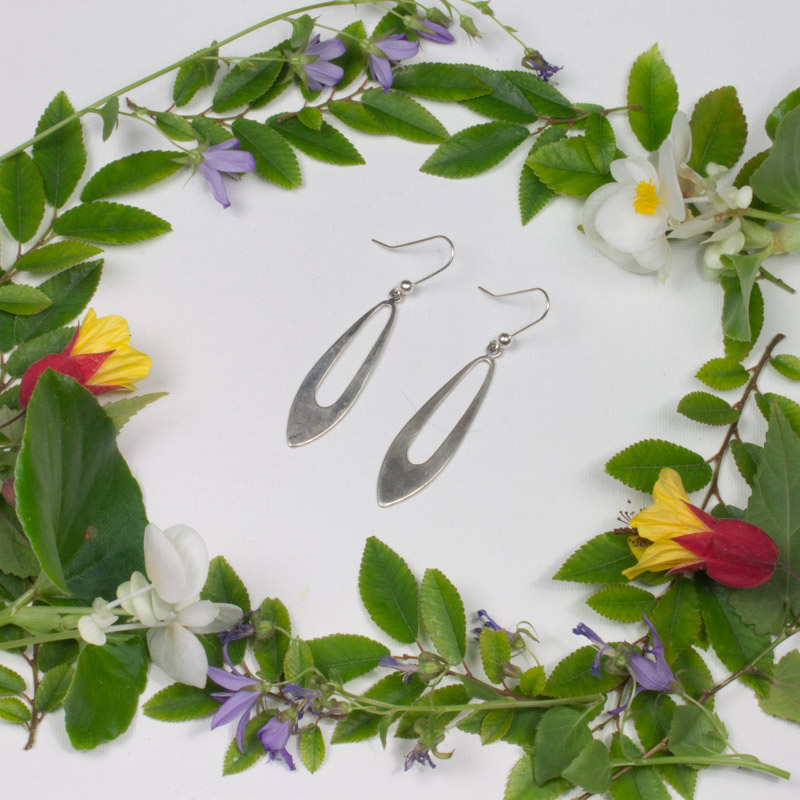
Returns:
point(419, 241)
point(523, 291)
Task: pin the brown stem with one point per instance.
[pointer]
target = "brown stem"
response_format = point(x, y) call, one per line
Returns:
point(36, 716)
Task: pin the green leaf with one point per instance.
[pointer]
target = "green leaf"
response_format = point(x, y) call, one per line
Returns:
point(120, 411)
point(60, 156)
point(789, 103)
point(567, 167)
point(175, 127)
point(640, 783)
point(522, 783)
point(57, 256)
point(707, 408)
point(652, 86)
point(359, 725)
point(532, 681)
point(737, 288)
point(719, 129)
point(353, 59)
point(478, 690)
point(787, 365)
point(179, 702)
point(131, 173)
point(193, 75)
point(14, 710)
point(495, 654)
point(777, 180)
point(676, 617)
point(652, 717)
point(109, 113)
point(110, 223)
point(425, 709)
point(223, 585)
point(622, 603)
point(76, 498)
point(275, 160)
point(210, 131)
point(738, 350)
point(53, 687)
point(791, 410)
point(443, 616)
point(591, 768)
point(247, 81)
point(30, 352)
point(747, 457)
point(344, 656)
point(298, 662)
point(495, 724)
point(404, 117)
point(601, 143)
point(544, 97)
point(70, 292)
point(327, 144)
point(355, 115)
point(600, 560)
point(22, 300)
point(505, 101)
point(723, 374)
point(311, 117)
point(97, 711)
point(783, 699)
point(436, 81)
point(53, 654)
point(693, 732)
point(389, 591)
point(10, 681)
point(270, 652)
point(534, 194)
point(312, 748)
point(474, 150)
point(573, 676)
point(639, 465)
point(560, 737)
point(236, 761)
point(21, 196)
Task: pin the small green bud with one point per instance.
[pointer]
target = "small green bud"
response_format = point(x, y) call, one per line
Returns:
point(431, 666)
point(511, 671)
point(265, 628)
point(469, 27)
point(437, 15)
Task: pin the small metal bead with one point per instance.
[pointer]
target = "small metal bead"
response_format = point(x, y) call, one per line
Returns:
point(397, 294)
point(494, 348)
point(504, 339)
point(407, 286)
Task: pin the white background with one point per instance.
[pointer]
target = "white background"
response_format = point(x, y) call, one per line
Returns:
point(235, 307)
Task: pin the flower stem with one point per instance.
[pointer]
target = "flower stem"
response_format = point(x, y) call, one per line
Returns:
point(769, 215)
point(739, 761)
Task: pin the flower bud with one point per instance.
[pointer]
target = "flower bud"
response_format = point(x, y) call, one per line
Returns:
point(265, 628)
point(438, 16)
point(431, 666)
point(469, 27)
point(787, 238)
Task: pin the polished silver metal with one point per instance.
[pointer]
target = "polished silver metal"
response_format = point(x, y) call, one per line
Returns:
point(308, 420)
point(399, 477)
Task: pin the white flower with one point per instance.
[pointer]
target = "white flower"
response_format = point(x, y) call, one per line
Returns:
point(725, 242)
point(628, 220)
point(92, 627)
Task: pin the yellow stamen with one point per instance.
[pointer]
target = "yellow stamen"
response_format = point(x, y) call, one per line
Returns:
point(645, 198)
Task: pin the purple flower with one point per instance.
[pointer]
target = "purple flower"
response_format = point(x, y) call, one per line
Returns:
point(319, 71)
point(238, 701)
point(535, 60)
point(409, 667)
point(419, 755)
point(241, 630)
point(220, 158)
point(433, 32)
point(274, 736)
point(603, 647)
point(487, 622)
point(306, 698)
point(394, 47)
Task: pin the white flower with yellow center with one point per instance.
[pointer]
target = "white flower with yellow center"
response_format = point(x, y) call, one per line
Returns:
point(627, 220)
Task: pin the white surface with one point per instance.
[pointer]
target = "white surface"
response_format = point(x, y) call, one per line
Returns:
point(235, 307)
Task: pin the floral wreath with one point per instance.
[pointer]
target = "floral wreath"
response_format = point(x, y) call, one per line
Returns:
point(625, 717)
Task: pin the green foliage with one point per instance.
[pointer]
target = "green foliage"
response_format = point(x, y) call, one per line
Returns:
point(622, 603)
point(791, 410)
point(252, 751)
point(600, 560)
point(696, 731)
point(676, 617)
point(110, 223)
point(312, 748)
point(561, 735)
point(327, 144)
point(738, 350)
point(504, 102)
point(495, 725)
point(543, 96)
point(98, 711)
point(52, 654)
point(425, 709)
point(640, 783)
point(344, 656)
point(247, 81)
point(38, 347)
point(297, 662)
point(722, 374)
point(132, 173)
point(275, 159)
point(777, 179)
point(404, 117)
point(534, 194)
point(532, 681)
point(738, 287)
point(356, 116)
point(53, 687)
point(639, 465)
point(601, 143)
point(109, 113)
point(310, 117)
point(573, 676)
point(707, 408)
point(10, 681)
point(443, 616)
point(353, 59)
point(787, 365)
point(651, 86)
point(448, 82)
point(193, 75)
point(120, 411)
point(21, 196)
point(747, 457)
point(591, 768)
point(567, 167)
point(56, 256)
point(60, 156)
point(495, 653)
point(522, 784)
point(719, 129)
point(270, 652)
point(175, 127)
point(179, 702)
point(475, 150)
point(223, 585)
point(783, 699)
point(14, 710)
point(790, 102)
point(210, 131)
point(389, 591)
point(76, 498)
point(22, 300)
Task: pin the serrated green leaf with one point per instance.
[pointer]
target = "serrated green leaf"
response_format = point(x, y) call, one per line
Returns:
point(707, 408)
point(131, 173)
point(60, 156)
point(723, 374)
point(591, 768)
point(271, 652)
point(783, 699)
point(787, 365)
point(522, 785)
point(275, 160)
point(389, 591)
point(121, 411)
point(676, 617)
point(601, 144)
point(777, 179)
point(719, 129)
point(544, 97)
point(298, 662)
point(22, 300)
point(573, 676)
point(443, 616)
point(534, 194)
point(695, 731)
point(14, 710)
point(505, 101)
point(248, 81)
point(353, 59)
point(562, 734)
point(237, 761)
point(109, 113)
point(788, 408)
point(57, 256)
point(53, 687)
point(70, 291)
point(223, 585)
point(495, 725)
point(30, 352)
point(404, 117)
point(312, 749)
point(567, 167)
point(110, 223)
point(478, 690)
point(436, 81)
point(475, 150)
point(21, 196)
point(639, 465)
point(10, 681)
point(344, 656)
point(600, 560)
point(179, 702)
point(311, 117)
point(737, 350)
point(652, 88)
point(747, 457)
point(354, 114)
point(622, 603)
point(789, 103)
point(425, 709)
point(495, 654)
point(210, 131)
point(640, 783)
point(193, 75)
point(737, 288)
point(327, 144)
point(175, 127)
point(532, 681)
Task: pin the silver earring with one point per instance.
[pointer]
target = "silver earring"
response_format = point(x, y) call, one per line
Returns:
point(399, 478)
point(308, 420)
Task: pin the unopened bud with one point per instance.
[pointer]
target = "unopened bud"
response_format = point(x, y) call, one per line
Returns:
point(431, 666)
point(511, 671)
point(469, 27)
point(438, 16)
point(265, 628)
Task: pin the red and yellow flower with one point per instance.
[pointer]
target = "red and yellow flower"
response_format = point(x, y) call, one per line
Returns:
point(98, 356)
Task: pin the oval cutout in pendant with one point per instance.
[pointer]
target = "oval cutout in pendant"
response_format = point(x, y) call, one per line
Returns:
point(399, 478)
point(308, 420)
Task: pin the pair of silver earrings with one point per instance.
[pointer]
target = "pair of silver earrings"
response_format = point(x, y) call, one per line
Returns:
point(399, 478)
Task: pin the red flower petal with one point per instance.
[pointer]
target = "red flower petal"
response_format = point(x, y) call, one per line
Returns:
point(89, 363)
point(66, 365)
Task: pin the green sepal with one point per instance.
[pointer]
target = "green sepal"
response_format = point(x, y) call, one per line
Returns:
point(600, 560)
point(436, 81)
point(344, 656)
point(53, 687)
point(783, 699)
point(707, 408)
point(567, 167)
point(179, 702)
point(21, 196)
point(110, 223)
point(56, 256)
point(312, 748)
point(275, 159)
point(120, 411)
point(639, 465)
point(622, 603)
point(404, 117)
point(719, 129)
point(495, 653)
point(652, 87)
point(327, 144)
point(443, 616)
point(723, 374)
point(132, 173)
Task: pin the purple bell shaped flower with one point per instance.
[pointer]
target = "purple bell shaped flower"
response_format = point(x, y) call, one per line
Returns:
point(238, 701)
point(419, 755)
point(274, 737)
point(304, 698)
point(408, 667)
point(241, 630)
point(320, 72)
point(224, 158)
point(487, 622)
point(395, 47)
point(433, 32)
point(535, 60)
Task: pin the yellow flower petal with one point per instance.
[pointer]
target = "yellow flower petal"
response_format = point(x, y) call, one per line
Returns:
point(101, 335)
point(123, 367)
point(658, 557)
